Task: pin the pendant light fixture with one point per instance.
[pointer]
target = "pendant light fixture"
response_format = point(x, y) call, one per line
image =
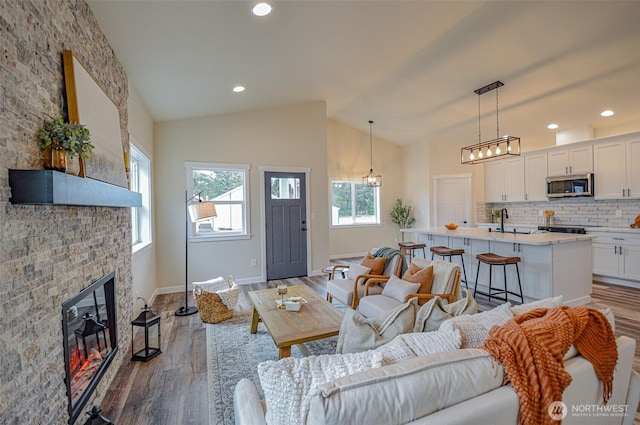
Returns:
point(492, 149)
point(372, 179)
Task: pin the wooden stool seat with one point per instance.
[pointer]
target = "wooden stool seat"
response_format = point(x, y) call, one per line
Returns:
point(444, 251)
point(409, 247)
point(496, 260)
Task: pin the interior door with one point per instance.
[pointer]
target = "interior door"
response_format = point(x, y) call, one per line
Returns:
point(453, 200)
point(286, 226)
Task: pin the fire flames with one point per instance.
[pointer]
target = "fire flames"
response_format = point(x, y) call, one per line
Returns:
point(82, 370)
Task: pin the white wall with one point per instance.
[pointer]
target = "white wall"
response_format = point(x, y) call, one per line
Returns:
point(143, 262)
point(293, 136)
point(348, 156)
point(416, 178)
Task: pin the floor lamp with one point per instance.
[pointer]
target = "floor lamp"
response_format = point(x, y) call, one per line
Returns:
point(195, 212)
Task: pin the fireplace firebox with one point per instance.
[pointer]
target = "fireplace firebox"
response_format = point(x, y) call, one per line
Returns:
point(90, 339)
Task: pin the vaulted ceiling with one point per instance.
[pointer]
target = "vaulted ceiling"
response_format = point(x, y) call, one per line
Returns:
point(411, 66)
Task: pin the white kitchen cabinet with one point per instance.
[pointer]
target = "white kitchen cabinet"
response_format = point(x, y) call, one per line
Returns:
point(431, 241)
point(633, 168)
point(570, 160)
point(472, 247)
point(535, 274)
point(617, 255)
point(535, 174)
point(504, 180)
point(617, 169)
point(494, 181)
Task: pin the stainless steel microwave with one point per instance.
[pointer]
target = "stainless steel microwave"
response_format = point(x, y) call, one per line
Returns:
point(573, 185)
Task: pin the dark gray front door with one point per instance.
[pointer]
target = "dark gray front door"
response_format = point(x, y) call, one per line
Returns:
point(286, 226)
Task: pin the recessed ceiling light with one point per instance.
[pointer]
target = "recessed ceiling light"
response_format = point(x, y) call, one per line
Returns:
point(552, 126)
point(238, 89)
point(261, 9)
point(606, 113)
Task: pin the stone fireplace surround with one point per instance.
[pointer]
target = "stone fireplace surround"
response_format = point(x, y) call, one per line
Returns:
point(50, 253)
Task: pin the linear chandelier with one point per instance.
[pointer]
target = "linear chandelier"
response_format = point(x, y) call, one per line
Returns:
point(491, 149)
point(372, 179)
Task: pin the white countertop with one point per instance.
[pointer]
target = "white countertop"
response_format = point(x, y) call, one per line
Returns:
point(633, 230)
point(587, 227)
point(544, 238)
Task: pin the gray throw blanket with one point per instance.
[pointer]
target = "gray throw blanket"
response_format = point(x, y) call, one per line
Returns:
point(389, 253)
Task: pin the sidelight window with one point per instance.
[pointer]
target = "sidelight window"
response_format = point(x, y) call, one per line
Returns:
point(140, 181)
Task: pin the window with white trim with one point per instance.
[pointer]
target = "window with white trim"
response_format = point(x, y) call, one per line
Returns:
point(227, 186)
point(140, 181)
point(354, 204)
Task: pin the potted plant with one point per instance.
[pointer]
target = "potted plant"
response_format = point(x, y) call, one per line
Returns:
point(59, 139)
point(402, 215)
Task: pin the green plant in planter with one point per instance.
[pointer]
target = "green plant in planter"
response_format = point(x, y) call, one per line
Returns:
point(59, 140)
point(74, 139)
point(402, 215)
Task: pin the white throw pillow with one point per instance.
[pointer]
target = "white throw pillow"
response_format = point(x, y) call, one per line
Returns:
point(286, 383)
point(398, 289)
point(356, 270)
point(474, 328)
point(546, 303)
point(412, 345)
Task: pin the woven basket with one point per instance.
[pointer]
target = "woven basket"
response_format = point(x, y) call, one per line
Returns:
point(211, 307)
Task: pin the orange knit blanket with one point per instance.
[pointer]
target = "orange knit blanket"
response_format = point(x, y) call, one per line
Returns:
point(531, 348)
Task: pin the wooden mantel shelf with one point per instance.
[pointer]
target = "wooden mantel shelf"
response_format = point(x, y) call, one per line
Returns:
point(48, 187)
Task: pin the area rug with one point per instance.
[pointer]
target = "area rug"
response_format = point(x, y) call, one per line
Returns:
point(233, 353)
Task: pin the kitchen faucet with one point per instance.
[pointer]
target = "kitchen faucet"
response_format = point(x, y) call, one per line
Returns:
point(503, 215)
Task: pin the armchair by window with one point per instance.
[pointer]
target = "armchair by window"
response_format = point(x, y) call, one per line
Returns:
point(446, 285)
point(348, 291)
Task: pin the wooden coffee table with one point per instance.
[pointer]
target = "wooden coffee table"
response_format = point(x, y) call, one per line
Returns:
point(316, 319)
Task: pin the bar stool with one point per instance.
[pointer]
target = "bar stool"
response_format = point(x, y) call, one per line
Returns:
point(444, 251)
point(498, 260)
point(411, 247)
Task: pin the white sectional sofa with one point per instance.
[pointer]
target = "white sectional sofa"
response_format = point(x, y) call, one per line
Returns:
point(453, 388)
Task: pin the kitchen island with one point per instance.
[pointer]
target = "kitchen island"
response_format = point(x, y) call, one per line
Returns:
point(551, 264)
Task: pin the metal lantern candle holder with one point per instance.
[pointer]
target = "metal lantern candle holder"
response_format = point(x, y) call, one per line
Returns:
point(95, 418)
point(149, 321)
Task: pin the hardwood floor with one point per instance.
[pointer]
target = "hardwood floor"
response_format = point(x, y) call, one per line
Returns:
point(172, 388)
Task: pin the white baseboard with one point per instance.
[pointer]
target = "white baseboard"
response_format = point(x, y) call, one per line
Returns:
point(615, 281)
point(352, 255)
point(180, 288)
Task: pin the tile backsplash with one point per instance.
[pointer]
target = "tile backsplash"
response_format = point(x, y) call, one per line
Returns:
point(567, 212)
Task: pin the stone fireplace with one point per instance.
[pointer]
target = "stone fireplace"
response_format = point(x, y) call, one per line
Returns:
point(50, 253)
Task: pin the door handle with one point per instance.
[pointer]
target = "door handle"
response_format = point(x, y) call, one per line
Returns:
point(615, 250)
point(620, 250)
